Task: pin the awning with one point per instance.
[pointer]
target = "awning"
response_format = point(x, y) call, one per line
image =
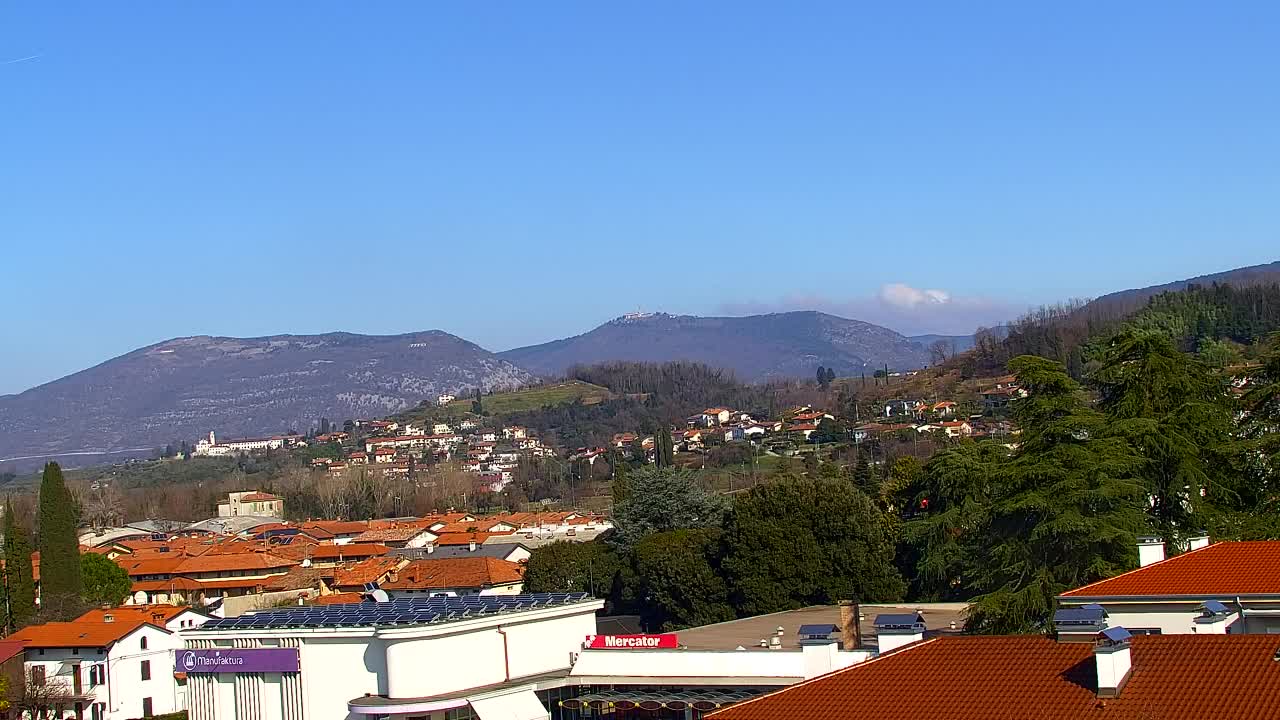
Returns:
point(523, 705)
point(703, 700)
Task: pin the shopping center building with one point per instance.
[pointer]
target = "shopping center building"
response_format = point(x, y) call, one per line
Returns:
point(518, 657)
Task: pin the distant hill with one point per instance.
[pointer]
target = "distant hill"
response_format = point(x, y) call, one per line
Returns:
point(181, 389)
point(1126, 302)
point(755, 347)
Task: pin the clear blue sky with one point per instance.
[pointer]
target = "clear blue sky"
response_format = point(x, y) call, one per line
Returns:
point(516, 171)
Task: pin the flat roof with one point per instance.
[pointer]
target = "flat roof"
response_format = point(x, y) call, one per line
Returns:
point(747, 632)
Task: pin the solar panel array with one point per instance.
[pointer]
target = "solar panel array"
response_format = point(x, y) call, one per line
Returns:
point(403, 611)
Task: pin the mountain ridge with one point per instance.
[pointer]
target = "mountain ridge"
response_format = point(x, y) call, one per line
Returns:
point(183, 387)
point(756, 347)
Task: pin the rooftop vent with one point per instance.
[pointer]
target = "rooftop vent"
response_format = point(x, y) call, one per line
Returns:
point(893, 630)
point(1080, 624)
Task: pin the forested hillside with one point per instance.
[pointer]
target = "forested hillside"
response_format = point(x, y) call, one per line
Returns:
point(1191, 318)
point(646, 396)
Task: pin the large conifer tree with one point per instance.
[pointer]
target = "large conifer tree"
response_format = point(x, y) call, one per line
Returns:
point(20, 591)
point(60, 583)
point(1067, 506)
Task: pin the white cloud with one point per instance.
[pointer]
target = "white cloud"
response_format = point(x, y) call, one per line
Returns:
point(902, 307)
point(905, 296)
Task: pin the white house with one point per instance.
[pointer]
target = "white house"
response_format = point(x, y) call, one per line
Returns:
point(444, 399)
point(1231, 587)
point(441, 429)
point(113, 669)
point(251, 502)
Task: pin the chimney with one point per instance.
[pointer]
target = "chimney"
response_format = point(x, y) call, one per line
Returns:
point(431, 548)
point(1114, 661)
point(850, 625)
point(819, 649)
point(1150, 550)
point(1079, 624)
point(1215, 619)
point(1198, 541)
point(895, 630)
point(471, 546)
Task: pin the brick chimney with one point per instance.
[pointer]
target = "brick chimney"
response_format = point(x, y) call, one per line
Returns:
point(850, 625)
point(1114, 661)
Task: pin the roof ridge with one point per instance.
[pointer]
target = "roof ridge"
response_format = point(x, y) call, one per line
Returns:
point(1073, 593)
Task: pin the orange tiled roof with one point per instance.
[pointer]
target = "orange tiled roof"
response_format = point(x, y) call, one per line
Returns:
point(393, 534)
point(177, 584)
point(150, 564)
point(75, 634)
point(338, 527)
point(455, 573)
point(1225, 568)
point(1205, 677)
point(156, 614)
point(241, 561)
point(365, 571)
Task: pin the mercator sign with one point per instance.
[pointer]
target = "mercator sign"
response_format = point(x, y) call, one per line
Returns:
point(631, 642)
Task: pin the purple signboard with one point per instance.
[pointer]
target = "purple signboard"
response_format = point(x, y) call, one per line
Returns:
point(230, 660)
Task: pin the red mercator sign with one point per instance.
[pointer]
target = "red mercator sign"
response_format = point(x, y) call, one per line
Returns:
point(631, 642)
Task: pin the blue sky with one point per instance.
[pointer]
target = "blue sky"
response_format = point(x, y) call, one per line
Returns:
point(515, 172)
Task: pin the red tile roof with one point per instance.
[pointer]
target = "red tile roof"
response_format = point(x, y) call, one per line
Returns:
point(465, 572)
point(365, 571)
point(239, 561)
point(1175, 677)
point(395, 534)
point(259, 497)
point(1225, 568)
point(155, 614)
point(466, 538)
point(75, 634)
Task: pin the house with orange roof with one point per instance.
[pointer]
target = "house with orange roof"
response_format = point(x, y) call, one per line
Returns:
point(455, 576)
point(354, 576)
point(107, 667)
point(1221, 587)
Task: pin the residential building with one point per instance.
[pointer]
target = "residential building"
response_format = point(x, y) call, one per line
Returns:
point(444, 399)
point(108, 669)
point(210, 447)
point(251, 502)
point(1172, 596)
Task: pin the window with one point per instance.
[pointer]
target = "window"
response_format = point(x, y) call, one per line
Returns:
point(146, 707)
point(75, 651)
point(1144, 631)
point(143, 642)
point(95, 711)
point(96, 675)
point(37, 676)
point(146, 671)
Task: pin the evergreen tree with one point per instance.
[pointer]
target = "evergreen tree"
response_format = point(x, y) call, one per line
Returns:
point(680, 584)
point(831, 376)
point(822, 376)
point(620, 487)
point(1173, 411)
point(793, 542)
point(20, 592)
point(1067, 507)
point(60, 584)
point(104, 581)
point(662, 499)
point(863, 477)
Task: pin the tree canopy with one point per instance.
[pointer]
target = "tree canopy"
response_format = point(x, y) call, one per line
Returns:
point(104, 581)
point(60, 583)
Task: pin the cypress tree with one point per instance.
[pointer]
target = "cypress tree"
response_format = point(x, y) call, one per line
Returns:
point(20, 590)
point(60, 584)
